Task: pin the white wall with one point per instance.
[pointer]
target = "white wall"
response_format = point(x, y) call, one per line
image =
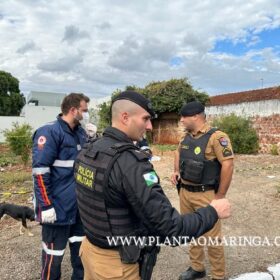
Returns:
point(258, 108)
point(36, 116)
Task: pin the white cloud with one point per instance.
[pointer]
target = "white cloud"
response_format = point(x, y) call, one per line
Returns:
point(72, 34)
point(98, 46)
point(27, 47)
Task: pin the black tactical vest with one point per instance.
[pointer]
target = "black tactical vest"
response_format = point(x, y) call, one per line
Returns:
point(92, 169)
point(194, 167)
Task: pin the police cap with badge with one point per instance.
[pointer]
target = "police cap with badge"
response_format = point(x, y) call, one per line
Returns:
point(138, 99)
point(192, 108)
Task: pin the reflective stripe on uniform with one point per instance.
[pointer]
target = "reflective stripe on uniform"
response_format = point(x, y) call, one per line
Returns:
point(76, 239)
point(40, 170)
point(52, 252)
point(63, 163)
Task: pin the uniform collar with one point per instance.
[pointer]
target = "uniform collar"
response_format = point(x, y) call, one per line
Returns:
point(116, 134)
point(205, 128)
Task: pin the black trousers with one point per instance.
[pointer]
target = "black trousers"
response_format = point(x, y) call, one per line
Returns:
point(54, 242)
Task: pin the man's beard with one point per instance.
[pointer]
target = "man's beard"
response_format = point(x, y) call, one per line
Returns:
point(76, 122)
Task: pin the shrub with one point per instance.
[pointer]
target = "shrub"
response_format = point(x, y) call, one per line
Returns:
point(19, 139)
point(5, 161)
point(243, 136)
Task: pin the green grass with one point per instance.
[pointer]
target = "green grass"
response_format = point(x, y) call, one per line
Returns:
point(164, 148)
point(14, 177)
point(6, 156)
point(13, 187)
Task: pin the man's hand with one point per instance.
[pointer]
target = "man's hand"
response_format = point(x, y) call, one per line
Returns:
point(175, 177)
point(48, 216)
point(222, 206)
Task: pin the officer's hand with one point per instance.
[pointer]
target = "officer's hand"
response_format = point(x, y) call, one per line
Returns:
point(175, 177)
point(222, 206)
point(48, 216)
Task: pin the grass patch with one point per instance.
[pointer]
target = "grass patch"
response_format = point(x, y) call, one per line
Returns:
point(7, 158)
point(164, 148)
point(12, 178)
point(13, 187)
point(15, 183)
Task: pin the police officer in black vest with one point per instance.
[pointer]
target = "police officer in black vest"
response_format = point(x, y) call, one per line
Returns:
point(204, 164)
point(119, 195)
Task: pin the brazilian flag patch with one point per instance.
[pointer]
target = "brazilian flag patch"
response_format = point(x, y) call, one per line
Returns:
point(151, 178)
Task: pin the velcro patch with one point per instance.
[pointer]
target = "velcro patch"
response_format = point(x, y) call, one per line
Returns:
point(85, 175)
point(223, 141)
point(227, 152)
point(151, 178)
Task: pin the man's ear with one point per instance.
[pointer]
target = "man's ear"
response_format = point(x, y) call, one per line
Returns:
point(124, 118)
point(72, 110)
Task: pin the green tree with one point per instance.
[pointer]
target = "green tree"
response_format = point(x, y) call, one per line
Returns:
point(243, 136)
point(11, 100)
point(169, 96)
point(93, 116)
point(105, 111)
point(104, 115)
point(19, 139)
point(166, 96)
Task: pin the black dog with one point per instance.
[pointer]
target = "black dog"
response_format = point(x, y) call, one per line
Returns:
point(20, 213)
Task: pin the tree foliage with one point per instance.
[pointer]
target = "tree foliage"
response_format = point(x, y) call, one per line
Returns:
point(166, 96)
point(93, 116)
point(105, 111)
point(19, 139)
point(169, 96)
point(11, 100)
point(243, 136)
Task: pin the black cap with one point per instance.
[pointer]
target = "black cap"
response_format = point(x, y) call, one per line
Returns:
point(192, 108)
point(137, 98)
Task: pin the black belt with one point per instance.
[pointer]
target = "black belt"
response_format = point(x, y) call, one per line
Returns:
point(100, 244)
point(199, 188)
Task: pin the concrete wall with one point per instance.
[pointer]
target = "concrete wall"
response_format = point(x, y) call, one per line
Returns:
point(36, 116)
point(249, 109)
point(264, 114)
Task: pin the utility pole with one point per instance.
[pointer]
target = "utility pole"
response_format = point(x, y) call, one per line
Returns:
point(261, 82)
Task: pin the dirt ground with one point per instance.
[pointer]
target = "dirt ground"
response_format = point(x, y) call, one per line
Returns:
point(255, 199)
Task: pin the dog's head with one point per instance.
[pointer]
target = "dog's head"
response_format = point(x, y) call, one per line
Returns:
point(30, 215)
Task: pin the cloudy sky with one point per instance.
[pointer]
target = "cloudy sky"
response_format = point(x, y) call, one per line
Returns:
point(95, 46)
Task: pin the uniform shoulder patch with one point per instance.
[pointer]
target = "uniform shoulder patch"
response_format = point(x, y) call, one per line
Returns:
point(223, 141)
point(41, 142)
point(227, 152)
point(151, 178)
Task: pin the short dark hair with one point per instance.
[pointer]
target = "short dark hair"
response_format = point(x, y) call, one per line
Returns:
point(72, 100)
